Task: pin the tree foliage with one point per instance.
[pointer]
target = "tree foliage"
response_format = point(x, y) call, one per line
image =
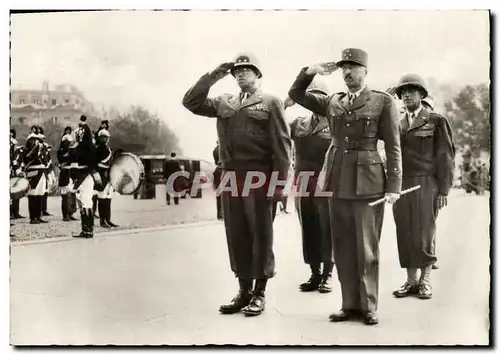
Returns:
point(469, 114)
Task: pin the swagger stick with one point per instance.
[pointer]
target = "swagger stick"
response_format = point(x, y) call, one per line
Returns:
point(404, 192)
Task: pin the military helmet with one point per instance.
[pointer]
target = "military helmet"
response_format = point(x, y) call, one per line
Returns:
point(318, 85)
point(247, 60)
point(428, 102)
point(412, 80)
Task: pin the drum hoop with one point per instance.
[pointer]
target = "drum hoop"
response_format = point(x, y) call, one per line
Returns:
point(139, 164)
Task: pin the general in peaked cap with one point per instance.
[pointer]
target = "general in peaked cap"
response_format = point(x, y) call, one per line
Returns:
point(354, 55)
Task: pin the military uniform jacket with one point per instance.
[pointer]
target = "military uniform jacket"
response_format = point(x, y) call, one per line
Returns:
point(82, 156)
point(15, 157)
point(353, 166)
point(252, 135)
point(103, 157)
point(64, 160)
point(34, 160)
point(311, 136)
point(428, 149)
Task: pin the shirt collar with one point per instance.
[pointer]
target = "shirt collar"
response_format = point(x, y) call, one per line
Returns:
point(416, 112)
point(357, 93)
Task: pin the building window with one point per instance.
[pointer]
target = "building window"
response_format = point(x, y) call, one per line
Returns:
point(36, 102)
point(22, 120)
point(45, 102)
point(55, 120)
point(67, 119)
point(66, 101)
point(53, 102)
point(21, 101)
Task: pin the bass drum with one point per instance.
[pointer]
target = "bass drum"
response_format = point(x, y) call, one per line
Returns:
point(19, 187)
point(126, 173)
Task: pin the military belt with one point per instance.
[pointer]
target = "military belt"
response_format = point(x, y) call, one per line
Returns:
point(347, 144)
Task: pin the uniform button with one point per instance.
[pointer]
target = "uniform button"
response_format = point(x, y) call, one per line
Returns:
point(348, 125)
point(345, 151)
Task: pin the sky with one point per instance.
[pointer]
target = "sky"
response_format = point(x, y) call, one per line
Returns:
point(151, 58)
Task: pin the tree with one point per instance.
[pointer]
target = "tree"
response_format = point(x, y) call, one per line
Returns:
point(469, 114)
point(140, 132)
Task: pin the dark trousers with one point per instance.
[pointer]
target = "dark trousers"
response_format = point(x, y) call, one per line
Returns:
point(356, 229)
point(314, 217)
point(249, 232)
point(415, 216)
point(176, 199)
point(219, 207)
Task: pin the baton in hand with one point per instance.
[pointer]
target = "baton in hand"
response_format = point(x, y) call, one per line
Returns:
point(384, 199)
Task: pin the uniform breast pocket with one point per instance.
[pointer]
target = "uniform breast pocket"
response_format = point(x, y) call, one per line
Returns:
point(426, 139)
point(370, 126)
point(257, 123)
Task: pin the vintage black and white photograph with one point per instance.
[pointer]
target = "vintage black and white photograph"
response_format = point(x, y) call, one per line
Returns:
point(250, 177)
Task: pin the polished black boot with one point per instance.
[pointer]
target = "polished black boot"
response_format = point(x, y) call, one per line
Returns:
point(326, 281)
point(45, 197)
point(32, 210)
point(101, 206)
point(108, 213)
point(39, 208)
point(94, 206)
point(90, 224)
point(241, 300)
point(71, 206)
point(258, 302)
point(64, 208)
point(315, 279)
point(14, 211)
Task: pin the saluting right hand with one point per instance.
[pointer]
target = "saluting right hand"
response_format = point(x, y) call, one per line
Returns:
point(322, 68)
point(222, 70)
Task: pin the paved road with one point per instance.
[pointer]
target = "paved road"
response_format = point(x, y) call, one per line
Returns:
point(165, 287)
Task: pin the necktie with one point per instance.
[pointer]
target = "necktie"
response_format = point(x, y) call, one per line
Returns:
point(244, 96)
point(351, 98)
point(411, 117)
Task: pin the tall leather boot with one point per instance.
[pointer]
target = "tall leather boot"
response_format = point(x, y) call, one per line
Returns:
point(45, 197)
point(64, 207)
point(39, 208)
point(258, 302)
point(108, 213)
point(15, 209)
point(241, 300)
point(101, 206)
point(90, 224)
point(315, 279)
point(71, 206)
point(94, 206)
point(326, 281)
point(32, 210)
point(84, 222)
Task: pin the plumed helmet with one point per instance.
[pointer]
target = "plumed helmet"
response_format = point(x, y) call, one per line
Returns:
point(104, 133)
point(412, 80)
point(247, 60)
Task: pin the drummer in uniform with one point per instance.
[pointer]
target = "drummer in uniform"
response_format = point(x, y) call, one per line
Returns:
point(253, 137)
point(104, 190)
point(16, 165)
point(83, 165)
point(65, 181)
point(311, 136)
point(34, 160)
point(428, 161)
point(48, 162)
point(354, 174)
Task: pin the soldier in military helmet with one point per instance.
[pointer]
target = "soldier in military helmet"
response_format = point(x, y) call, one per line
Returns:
point(253, 137)
point(65, 183)
point(354, 174)
point(311, 135)
point(428, 161)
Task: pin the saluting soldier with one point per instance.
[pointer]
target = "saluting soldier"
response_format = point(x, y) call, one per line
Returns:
point(83, 165)
point(428, 161)
point(253, 136)
point(34, 160)
point(355, 175)
point(311, 135)
point(104, 189)
point(65, 183)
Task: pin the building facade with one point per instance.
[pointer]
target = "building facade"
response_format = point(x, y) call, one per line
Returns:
point(64, 104)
